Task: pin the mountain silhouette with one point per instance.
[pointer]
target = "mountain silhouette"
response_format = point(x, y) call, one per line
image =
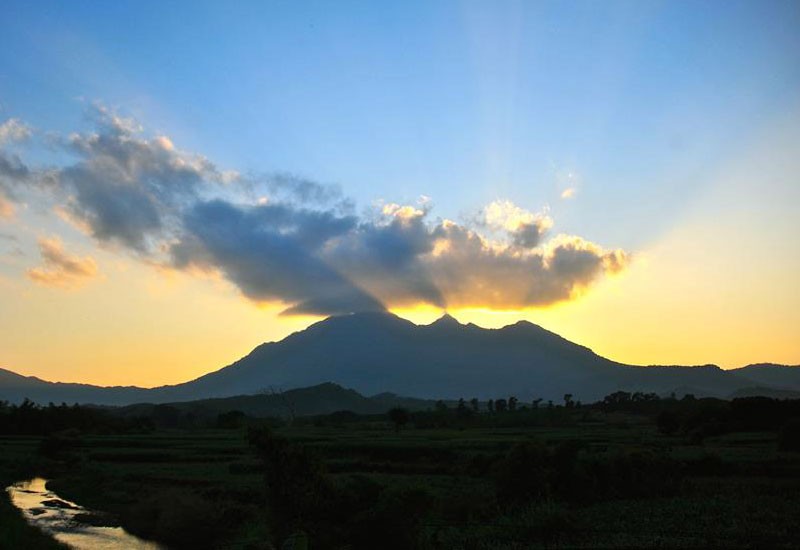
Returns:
point(380, 352)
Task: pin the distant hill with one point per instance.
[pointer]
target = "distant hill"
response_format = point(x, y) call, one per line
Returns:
point(776, 376)
point(375, 353)
point(321, 399)
point(15, 387)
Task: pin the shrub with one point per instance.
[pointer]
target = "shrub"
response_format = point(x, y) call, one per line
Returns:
point(182, 519)
point(789, 436)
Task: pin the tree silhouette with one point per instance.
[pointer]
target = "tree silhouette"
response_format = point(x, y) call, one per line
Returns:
point(568, 400)
point(490, 405)
point(399, 417)
point(462, 411)
point(474, 404)
point(512, 403)
point(500, 405)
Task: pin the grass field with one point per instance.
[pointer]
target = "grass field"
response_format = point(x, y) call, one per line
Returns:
point(205, 488)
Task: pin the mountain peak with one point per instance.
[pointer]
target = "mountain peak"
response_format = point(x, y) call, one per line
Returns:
point(446, 320)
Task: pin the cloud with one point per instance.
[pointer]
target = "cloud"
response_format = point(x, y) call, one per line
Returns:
point(327, 264)
point(61, 269)
point(6, 208)
point(525, 228)
point(14, 130)
point(568, 193)
point(126, 188)
point(12, 170)
point(281, 238)
point(472, 271)
point(272, 253)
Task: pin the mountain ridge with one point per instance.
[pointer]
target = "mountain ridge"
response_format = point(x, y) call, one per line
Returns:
point(380, 352)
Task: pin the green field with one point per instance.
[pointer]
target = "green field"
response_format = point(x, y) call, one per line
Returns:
point(206, 488)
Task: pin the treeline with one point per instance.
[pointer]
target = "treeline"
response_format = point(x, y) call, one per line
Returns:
point(707, 417)
point(28, 418)
point(688, 416)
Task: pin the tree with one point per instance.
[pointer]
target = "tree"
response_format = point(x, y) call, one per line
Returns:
point(463, 411)
point(474, 404)
point(568, 400)
point(399, 417)
point(500, 405)
point(512, 403)
point(535, 402)
point(440, 406)
point(490, 405)
point(285, 400)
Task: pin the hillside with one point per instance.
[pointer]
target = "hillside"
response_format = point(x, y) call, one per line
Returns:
point(321, 399)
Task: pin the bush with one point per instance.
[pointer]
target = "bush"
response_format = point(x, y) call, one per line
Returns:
point(182, 519)
point(789, 436)
point(668, 422)
point(524, 474)
point(395, 521)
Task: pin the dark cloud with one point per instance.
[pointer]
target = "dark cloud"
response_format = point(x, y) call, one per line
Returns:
point(283, 238)
point(328, 264)
point(127, 188)
point(272, 253)
point(384, 256)
point(528, 235)
point(13, 174)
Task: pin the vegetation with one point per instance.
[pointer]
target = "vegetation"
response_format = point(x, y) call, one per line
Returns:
point(632, 470)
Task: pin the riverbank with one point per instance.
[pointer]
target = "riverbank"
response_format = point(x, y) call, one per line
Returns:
point(16, 463)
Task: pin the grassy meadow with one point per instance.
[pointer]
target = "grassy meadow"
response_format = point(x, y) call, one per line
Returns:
point(587, 478)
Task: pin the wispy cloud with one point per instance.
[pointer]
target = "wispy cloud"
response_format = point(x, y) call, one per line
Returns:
point(12, 170)
point(286, 239)
point(61, 269)
point(568, 193)
point(14, 130)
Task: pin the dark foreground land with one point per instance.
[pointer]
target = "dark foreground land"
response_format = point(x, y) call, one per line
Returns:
point(655, 473)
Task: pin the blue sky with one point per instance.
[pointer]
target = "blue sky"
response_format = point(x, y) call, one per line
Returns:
point(463, 102)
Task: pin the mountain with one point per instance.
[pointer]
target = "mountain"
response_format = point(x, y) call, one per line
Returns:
point(15, 387)
point(374, 353)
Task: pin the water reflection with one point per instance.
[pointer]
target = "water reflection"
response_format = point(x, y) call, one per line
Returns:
point(66, 521)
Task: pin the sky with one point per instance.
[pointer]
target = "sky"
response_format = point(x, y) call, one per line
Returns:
point(180, 182)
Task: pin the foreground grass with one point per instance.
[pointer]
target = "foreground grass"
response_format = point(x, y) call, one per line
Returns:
point(205, 488)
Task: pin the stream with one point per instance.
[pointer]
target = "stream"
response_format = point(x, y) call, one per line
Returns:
point(68, 522)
